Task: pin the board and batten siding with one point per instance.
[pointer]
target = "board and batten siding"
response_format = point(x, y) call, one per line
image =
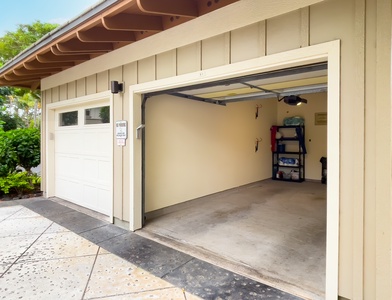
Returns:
point(364, 28)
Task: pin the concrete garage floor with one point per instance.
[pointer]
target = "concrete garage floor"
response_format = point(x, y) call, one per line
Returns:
point(271, 231)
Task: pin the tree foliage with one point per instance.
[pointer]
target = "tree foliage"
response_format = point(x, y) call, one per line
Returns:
point(10, 122)
point(19, 106)
point(12, 43)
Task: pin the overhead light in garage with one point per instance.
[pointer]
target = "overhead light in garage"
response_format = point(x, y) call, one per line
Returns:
point(293, 100)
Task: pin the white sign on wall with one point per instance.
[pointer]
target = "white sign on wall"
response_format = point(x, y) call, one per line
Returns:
point(121, 130)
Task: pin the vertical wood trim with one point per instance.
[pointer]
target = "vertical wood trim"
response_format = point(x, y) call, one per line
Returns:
point(370, 153)
point(383, 153)
point(263, 37)
point(266, 37)
point(117, 108)
point(359, 94)
point(176, 61)
point(43, 142)
point(130, 78)
point(228, 47)
point(200, 45)
point(156, 67)
point(305, 23)
point(334, 168)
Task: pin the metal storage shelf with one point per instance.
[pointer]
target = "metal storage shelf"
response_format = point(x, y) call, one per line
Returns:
point(282, 172)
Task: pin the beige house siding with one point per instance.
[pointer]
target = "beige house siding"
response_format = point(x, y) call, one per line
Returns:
point(189, 58)
point(364, 28)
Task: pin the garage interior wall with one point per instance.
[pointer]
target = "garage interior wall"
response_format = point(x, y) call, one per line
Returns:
point(364, 28)
point(195, 149)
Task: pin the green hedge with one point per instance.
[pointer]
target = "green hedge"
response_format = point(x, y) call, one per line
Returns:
point(19, 147)
point(19, 183)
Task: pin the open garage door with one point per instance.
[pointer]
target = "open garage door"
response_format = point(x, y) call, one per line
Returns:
point(208, 176)
point(226, 125)
point(83, 156)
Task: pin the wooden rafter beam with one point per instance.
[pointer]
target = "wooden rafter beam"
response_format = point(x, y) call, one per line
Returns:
point(130, 22)
point(25, 72)
point(76, 46)
point(31, 84)
point(100, 34)
point(4, 81)
point(50, 57)
point(32, 77)
point(184, 8)
point(37, 65)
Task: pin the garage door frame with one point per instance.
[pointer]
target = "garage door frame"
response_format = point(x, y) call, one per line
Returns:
point(325, 52)
point(105, 98)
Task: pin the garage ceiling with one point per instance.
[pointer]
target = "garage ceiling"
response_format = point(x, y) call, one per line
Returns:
point(109, 25)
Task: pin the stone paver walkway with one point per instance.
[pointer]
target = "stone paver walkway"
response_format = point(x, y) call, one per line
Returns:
point(40, 259)
point(50, 251)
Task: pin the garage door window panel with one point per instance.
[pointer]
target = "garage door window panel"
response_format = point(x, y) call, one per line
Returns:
point(69, 118)
point(97, 115)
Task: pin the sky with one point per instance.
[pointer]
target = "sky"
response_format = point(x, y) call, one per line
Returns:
point(15, 12)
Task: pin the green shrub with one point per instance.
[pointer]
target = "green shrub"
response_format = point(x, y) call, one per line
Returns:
point(19, 147)
point(19, 183)
point(8, 157)
point(27, 144)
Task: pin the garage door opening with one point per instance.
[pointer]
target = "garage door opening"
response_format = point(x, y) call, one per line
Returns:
point(326, 52)
point(271, 231)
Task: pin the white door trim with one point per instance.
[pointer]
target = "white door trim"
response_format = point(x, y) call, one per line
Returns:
point(105, 96)
point(329, 52)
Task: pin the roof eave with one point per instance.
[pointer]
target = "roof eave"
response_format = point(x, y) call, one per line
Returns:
point(57, 33)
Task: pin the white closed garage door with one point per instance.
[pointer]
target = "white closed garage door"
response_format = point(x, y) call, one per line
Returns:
point(83, 156)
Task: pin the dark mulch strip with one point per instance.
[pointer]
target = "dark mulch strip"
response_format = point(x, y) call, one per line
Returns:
point(10, 197)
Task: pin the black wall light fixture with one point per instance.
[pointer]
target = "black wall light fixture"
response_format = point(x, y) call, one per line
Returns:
point(293, 100)
point(116, 87)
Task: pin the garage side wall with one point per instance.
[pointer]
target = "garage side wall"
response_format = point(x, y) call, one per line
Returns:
point(364, 28)
point(195, 149)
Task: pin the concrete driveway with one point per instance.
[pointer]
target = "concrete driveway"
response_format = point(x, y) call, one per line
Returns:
point(50, 251)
